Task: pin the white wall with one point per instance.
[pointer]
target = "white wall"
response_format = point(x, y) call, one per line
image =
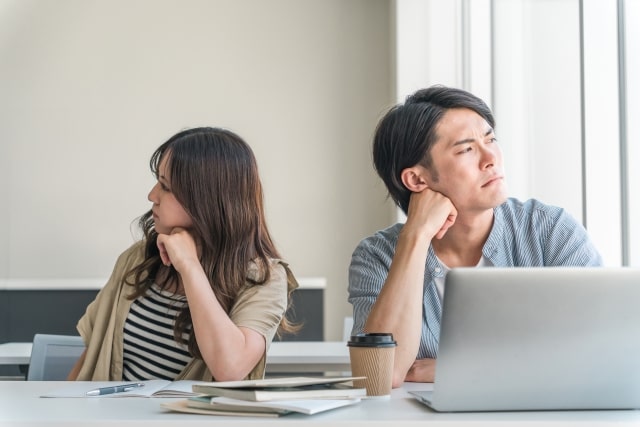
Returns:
point(427, 45)
point(89, 88)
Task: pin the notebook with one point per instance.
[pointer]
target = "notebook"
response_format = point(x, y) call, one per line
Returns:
point(554, 338)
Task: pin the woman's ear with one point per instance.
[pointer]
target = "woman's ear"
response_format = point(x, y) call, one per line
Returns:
point(414, 178)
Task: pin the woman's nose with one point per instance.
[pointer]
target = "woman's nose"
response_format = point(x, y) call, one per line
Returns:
point(152, 194)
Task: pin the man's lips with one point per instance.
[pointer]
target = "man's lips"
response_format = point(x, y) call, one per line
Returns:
point(492, 180)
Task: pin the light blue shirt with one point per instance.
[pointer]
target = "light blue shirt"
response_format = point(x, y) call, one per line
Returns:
point(524, 234)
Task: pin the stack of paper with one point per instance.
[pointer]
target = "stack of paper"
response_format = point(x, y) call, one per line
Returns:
point(113, 389)
point(271, 397)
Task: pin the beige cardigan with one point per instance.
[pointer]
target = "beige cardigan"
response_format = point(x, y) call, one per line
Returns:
point(260, 308)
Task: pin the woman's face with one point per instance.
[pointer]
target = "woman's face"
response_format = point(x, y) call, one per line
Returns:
point(467, 162)
point(168, 213)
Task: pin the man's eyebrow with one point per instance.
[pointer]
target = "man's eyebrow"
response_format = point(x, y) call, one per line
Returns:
point(469, 140)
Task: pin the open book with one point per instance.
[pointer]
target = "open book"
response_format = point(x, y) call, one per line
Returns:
point(288, 388)
point(150, 388)
point(231, 407)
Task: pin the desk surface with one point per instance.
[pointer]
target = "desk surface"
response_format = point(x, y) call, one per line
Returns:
point(20, 405)
point(15, 353)
point(283, 356)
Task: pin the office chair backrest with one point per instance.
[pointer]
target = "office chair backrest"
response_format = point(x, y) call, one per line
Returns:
point(53, 356)
point(347, 326)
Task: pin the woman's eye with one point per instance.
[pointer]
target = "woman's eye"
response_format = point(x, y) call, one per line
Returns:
point(164, 187)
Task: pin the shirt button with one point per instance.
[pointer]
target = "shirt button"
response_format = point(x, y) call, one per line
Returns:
point(437, 269)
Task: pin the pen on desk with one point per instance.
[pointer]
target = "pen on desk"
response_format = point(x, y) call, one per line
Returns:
point(114, 389)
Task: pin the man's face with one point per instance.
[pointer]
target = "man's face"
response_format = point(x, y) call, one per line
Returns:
point(467, 162)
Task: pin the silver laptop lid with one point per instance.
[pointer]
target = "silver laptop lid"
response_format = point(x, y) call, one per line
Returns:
point(539, 339)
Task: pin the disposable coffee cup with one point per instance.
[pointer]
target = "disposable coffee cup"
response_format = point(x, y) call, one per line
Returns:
point(372, 356)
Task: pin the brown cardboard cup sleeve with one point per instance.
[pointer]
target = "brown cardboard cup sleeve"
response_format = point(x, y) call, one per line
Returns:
point(372, 356)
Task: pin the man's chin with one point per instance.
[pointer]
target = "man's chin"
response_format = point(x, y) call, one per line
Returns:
point(497, 201)
point(502, 199)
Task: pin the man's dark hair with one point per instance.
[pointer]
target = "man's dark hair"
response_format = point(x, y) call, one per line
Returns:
point(405, 135)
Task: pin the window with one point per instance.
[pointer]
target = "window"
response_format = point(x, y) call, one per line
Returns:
point(554, 74)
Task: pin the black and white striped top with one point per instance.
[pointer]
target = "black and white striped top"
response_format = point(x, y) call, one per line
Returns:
point(150, 350)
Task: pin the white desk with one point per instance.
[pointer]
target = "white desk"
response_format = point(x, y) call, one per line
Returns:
point(283, 356)
point(21, 406)
point(15, 353)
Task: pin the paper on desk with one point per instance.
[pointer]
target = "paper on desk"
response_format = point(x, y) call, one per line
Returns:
point(152, 388)
point(303, 406)
point(233, 407)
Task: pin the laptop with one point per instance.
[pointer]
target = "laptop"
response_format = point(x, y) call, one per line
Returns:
point(545, 338)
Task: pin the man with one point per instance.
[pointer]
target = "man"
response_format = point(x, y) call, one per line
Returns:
point(438, 156)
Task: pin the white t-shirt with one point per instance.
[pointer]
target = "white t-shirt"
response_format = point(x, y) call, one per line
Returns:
point(484, 262)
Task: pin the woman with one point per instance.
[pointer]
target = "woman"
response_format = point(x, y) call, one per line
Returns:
point(203, 293)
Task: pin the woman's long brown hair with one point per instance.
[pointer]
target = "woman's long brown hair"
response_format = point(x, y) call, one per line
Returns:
point(214, 176)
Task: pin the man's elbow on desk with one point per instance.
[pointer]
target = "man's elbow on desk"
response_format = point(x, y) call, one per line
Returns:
point(399, 377)
point(397, 380)
point(421, 371)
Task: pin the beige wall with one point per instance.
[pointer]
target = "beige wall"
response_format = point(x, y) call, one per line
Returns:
point(90, 88)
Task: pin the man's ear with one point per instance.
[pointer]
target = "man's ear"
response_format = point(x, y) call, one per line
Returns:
point(414, 178)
